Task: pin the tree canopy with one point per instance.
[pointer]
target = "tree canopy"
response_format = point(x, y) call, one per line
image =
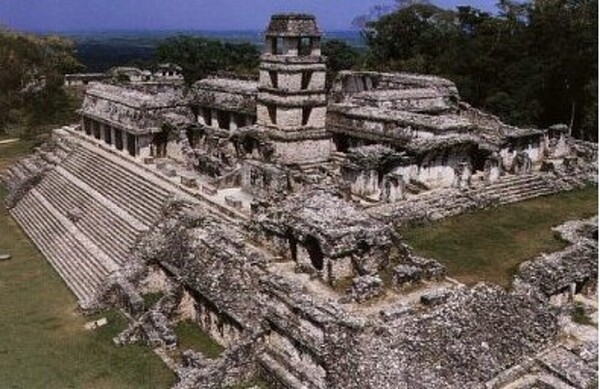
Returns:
point(31, 80)
point(531, 64)
point(199, 56)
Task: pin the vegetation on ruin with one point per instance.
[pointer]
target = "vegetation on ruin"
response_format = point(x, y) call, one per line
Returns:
point(579, 316)
point(10, 152)
point(255, 383)
point(43, 343)
point(32, 99)
point(532, 63)
point(488, 245)
point(190, 336)
point(152, 298)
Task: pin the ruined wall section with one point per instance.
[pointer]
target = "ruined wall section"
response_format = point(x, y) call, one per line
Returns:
point(215, 266)
point(323, 233)
point(569, 271)
point(229, 95)
point(26, 173)
point(459, 343)
point(351, 82)
point(136, 110)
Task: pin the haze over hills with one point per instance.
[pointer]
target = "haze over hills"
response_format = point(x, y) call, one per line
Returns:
point(101, 50)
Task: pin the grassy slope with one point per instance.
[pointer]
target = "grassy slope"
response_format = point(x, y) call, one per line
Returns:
point(488, 245)
point(190, 336)
point(42, 340)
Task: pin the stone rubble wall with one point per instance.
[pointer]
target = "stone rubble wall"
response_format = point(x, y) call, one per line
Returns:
point(460, 343)
point(556, 272)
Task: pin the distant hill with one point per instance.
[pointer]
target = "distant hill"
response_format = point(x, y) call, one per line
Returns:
point(101, 50)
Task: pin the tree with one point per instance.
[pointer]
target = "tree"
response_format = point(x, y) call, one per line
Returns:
point(199, 57)
point(31, 80)
point(340, 56)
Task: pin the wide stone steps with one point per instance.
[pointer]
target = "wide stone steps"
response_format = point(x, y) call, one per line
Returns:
point(140, 201)
point(151, 177)
point(450, 202)
point(74, 262)
point(94, 201)
point(133, 194)
point(279, 369)
point(515, 188)
point(114, 236)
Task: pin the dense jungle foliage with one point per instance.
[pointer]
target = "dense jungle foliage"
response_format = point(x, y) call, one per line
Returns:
point(31, 80)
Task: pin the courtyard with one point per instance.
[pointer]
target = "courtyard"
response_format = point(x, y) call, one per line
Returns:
point(488, 245)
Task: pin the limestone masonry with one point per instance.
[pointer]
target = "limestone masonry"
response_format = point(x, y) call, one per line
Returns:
point(267, 213)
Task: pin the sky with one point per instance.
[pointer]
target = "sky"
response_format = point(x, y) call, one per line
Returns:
point(94, 15)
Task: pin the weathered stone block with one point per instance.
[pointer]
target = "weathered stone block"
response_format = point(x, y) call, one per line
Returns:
point(209, 190)
point(189, 182)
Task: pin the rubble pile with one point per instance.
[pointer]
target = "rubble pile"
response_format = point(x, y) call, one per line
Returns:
point(364, 288)
point(462, 342)
point(576, 265)
point(210, 257)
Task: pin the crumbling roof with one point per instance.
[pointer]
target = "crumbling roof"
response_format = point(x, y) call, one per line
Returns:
point(397, 94)
point(293, 25)
point(169, 66)
point(339, 226)
point(133, 109)
point(211, 258)
point(125, 70)
point(578, 263)
point(227, 85)
point(392, 81)
point(435, 123)
point(375, 156)
point(135, 97)
point(227, 94)
point(75, 76)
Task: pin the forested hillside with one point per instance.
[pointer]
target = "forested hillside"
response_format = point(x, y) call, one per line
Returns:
point(31, 79)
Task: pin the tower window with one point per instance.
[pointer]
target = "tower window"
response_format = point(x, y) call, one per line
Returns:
point(306, 77)
point(273, 76)
point(223, 119)
point(206, 114)
point(306, 111)
point(272, 113)
point(273, 45)
point(304, 46)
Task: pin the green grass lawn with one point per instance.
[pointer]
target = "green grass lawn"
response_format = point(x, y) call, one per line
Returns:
point(190, 336)
point(10, 152)
point(43, 343)
point(490, 244)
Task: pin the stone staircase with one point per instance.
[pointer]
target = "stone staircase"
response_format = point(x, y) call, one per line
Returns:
point(441, 203)
point(76, 259)
point(99, 222)
point(511, 189)
point(87, 212)
point(134, 194)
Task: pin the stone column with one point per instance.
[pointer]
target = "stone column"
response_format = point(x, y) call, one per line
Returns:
point(125, 141)
point(232, 123)
point(214, 117)
point(113, 137)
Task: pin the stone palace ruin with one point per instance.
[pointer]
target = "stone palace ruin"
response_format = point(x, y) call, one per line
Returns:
point(267, 212)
